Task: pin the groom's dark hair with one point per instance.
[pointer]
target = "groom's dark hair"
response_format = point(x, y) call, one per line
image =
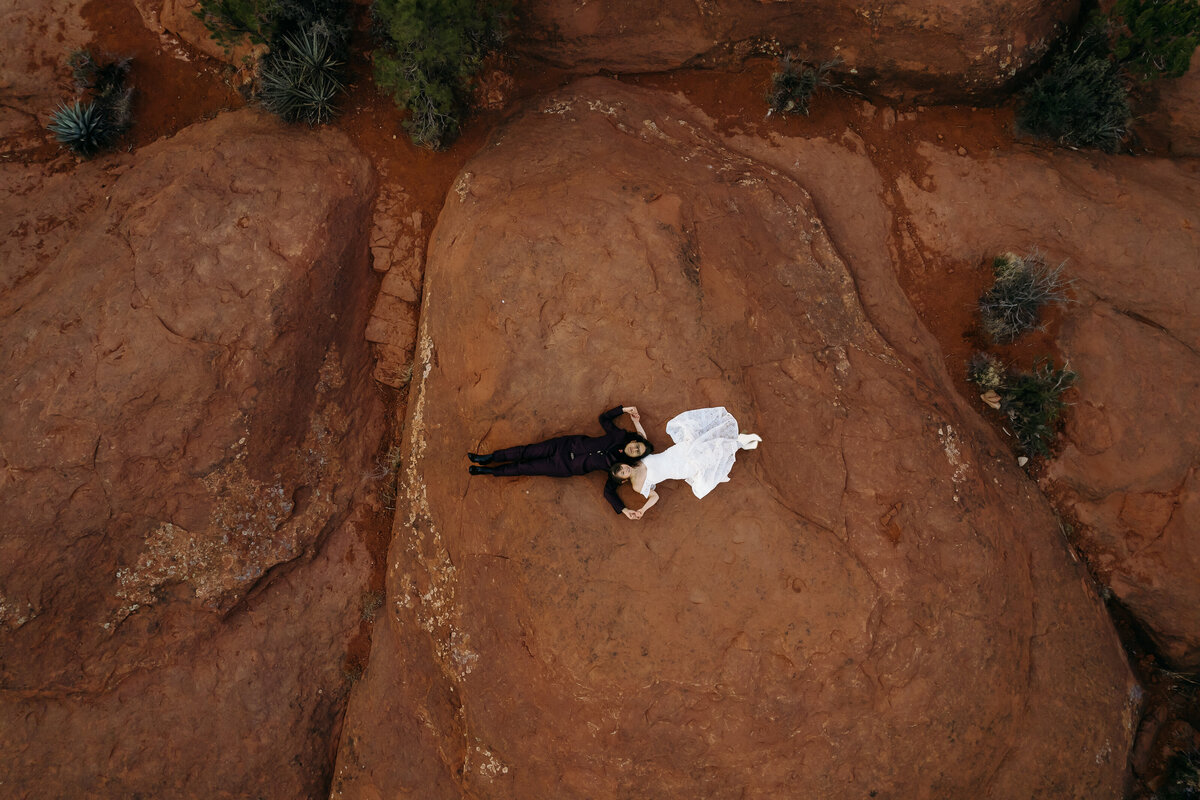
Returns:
point(633, 437)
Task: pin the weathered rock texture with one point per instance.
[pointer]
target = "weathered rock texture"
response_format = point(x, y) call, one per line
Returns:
point(189, 419)
point(937, 48)
point(877, 603)
point(178, 18)
point(397, 252)
point(1129, 231)
point(35, 38)
point(1177, 111)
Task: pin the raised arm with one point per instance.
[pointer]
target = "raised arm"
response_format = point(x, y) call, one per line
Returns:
point(636, 418)
point(637, 513)
point(606, 419)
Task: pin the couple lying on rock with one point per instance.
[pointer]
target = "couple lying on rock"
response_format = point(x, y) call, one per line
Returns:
point(706, 442)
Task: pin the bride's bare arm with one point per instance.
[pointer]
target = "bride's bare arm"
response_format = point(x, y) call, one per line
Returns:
point(636, 418)
point(637, 514)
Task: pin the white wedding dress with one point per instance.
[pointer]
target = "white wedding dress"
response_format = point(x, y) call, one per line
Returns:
point(706, 443)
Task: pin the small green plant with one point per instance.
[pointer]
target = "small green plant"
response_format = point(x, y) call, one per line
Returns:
point(1022, 286)
point(1156, 38)
point(1182, 777)
point(229, 21)
point(794, 83)
point(1032, 401)
point(1082, 100)
point(301, 77)
point(430, 51)
point(88, 126)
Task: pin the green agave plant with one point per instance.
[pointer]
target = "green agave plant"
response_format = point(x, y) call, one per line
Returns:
point(301, 78)
point(82, 127)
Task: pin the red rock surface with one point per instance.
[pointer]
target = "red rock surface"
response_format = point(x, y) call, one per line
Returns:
point(190, 417)
point(1177, 111)
point(396, 252)
point(1129, 231)
point(878, 601)
point(177, 19)
point(35, 38)
point(946, 48)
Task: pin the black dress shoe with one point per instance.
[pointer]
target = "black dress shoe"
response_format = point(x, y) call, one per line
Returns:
point(486, 458)
point(474, 470)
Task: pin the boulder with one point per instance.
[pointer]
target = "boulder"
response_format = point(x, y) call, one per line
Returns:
point(1129, 231)
point(878, 604)
point(189, 419)
point(929, 48)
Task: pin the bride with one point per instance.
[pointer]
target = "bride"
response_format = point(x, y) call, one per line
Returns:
point(706, 443)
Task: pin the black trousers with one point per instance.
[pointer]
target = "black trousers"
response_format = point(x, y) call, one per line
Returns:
point(551, 457)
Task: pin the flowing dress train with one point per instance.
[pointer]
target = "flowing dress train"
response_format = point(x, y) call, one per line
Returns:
point(706, 444)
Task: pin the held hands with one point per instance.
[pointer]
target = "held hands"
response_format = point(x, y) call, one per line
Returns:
point(632, 513)
point(632, 412)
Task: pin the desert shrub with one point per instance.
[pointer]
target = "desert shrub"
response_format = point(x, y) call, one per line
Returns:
point(985, 371)
point(299, 16)
point(1156, 38)
point(1082, 100)
point(1032, 401)
point(794, 83)
point(87, 127)
point(302, 72)
point(268, 21)
point(430, 51)
point(228, 21)
point(1182, 777)
point(1022, 286)
point(83, 68)
point(301, 76)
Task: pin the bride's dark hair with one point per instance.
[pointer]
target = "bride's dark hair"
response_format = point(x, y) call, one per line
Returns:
point(612, 473)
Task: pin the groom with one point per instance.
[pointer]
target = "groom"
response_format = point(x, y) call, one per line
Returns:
point(565, 456)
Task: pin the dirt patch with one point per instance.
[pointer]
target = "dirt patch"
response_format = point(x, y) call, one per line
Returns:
point(174, 85)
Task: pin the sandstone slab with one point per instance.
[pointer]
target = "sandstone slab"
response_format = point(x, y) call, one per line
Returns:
point(879, 602)
point(935, 48)
point(189, 418)
point(1129, 231)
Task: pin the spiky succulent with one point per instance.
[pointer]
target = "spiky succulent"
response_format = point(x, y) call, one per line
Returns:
point(301, 77)
point(83, 127)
